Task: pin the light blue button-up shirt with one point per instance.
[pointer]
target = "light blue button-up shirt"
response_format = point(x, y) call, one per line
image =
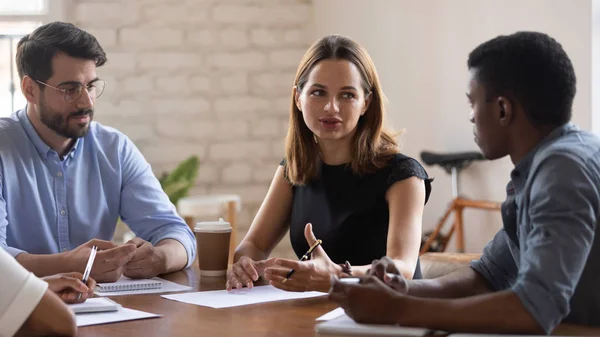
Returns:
point(49, 206)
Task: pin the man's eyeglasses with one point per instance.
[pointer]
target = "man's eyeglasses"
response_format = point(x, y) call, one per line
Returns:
point(73, 91)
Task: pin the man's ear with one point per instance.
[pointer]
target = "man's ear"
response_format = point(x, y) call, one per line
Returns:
point(30, 89)
point(297, 98)
point(506, 110)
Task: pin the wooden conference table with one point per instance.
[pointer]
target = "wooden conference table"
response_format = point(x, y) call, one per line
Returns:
point(292, 318)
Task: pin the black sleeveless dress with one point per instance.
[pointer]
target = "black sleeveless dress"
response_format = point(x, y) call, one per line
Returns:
point(349, 212)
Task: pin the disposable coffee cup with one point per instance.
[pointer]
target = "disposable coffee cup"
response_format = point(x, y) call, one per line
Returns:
point(212, 242)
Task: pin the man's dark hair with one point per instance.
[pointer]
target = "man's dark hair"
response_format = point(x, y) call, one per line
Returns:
point(36, 50)
point(531, 68)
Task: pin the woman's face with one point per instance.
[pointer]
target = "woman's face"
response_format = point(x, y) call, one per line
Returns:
point(332, 99)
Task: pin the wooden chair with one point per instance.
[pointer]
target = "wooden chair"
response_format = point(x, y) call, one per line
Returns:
point(453, 163)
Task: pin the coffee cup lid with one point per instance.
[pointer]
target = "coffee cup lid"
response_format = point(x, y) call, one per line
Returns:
point(213, 226)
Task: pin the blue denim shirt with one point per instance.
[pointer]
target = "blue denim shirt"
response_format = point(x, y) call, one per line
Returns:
point(49, 205)
point(548, 252)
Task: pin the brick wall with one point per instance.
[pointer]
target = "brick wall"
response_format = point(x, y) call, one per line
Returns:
point(211, 78)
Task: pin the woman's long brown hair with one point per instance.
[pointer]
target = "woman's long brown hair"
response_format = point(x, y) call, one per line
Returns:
point(372, 146)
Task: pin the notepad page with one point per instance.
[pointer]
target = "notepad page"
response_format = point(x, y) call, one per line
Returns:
point(166, 287)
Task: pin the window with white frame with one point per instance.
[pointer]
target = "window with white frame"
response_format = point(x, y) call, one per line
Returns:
point(18, 18)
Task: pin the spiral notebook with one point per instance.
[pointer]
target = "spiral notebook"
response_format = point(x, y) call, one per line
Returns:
point(127, 284)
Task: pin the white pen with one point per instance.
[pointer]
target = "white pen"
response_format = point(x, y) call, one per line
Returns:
point(88, 268)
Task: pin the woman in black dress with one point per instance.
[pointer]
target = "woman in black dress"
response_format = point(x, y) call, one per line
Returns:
point(343, 181)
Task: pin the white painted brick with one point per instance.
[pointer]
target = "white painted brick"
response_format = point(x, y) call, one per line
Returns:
point(151, 38)
point(286, 15)
point(103, 14)
point(239, 149)
point(138, 84)
point(174, 14)
point(237, 14)
point(208, 173)
point(281, 106)
point(188, 106)
point(250, 60)
point(236, 83)
point(228, 129)
point(119, 63)
point(280, 83)
point(112, 85)
point(201, 37)
point(265, 37)
point(236, 173)
point(265, 128)
point(136, 131)
point(132, 107)
point(286, 59)
point(200, 84)
point(297, 37)
point(106, 37)
point(264, 173)
point(234, 38)
point(278, 149)
point(172, 84)
point(254, 193)
point(171, 152)
point(241, 104)
point(170, 61)
point(188, 129)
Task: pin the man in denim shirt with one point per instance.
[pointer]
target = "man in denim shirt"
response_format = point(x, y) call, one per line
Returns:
point(542, 268)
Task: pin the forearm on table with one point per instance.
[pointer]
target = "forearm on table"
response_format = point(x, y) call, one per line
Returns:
point(499, 312)
point(174, 253)
point(45, 264)
point(460, 283)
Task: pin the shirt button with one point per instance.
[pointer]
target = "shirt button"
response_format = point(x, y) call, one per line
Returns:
point(62, 212)
point(59, 174)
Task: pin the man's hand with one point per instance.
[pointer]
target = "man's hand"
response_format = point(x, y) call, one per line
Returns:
point(385, 269)
point(68, 287)
point(109, 262)
point(148, 261)
point(370, 301)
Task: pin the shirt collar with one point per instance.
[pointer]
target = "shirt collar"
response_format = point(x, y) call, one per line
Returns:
point(519, 174)
point(43, 149)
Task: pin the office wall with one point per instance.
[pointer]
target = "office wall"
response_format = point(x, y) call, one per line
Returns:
point(420, 49)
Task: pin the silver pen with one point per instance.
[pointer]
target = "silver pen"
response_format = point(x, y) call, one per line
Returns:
point(88, 268)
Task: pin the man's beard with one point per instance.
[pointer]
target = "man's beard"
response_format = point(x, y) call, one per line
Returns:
point(59, 123)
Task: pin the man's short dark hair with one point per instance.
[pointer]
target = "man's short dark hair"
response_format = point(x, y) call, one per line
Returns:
point(36, 50)
point(533, 69)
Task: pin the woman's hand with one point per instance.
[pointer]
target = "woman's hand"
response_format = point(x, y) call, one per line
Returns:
point(244, 272)
point(68, 287)
point(311, 275)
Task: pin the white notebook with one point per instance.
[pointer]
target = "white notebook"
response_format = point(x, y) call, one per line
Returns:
point(347, 326)
point(127, 284)
point(96, 304)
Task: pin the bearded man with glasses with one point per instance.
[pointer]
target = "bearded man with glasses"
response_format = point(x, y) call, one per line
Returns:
point(65, 179)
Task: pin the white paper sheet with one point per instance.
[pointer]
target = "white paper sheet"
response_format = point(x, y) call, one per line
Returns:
point(237, 297)
point(123, 314)
point(167, 287)
point(333, 314)
point(346, 325)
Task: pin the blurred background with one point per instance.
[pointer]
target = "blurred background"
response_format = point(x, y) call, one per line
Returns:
point(213, 79)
